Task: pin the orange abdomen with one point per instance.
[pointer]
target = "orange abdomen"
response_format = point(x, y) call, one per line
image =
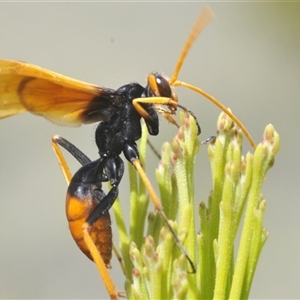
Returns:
point(78, 210)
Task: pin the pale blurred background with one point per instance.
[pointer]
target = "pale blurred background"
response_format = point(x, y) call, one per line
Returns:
point(248, 58)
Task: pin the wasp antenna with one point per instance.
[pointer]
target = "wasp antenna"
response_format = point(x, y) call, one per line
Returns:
point(222, 107)
point(205, 16)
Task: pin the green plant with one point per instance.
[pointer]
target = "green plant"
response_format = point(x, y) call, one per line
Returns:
point(155, 268)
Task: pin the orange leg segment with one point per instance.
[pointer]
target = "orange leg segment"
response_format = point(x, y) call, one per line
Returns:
point(172, 104)
point(108, 282)
point(137, 164)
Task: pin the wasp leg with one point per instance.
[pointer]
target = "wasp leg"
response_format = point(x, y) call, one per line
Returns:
point(119, 258)
point(61, 159)
point(210, 140)
point(172, 104)
point(131, 154)
point(72, 149)
point(167, 114)
point(84, 228)
point(154, 150)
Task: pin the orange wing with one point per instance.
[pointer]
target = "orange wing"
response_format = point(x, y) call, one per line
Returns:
point(60, 99)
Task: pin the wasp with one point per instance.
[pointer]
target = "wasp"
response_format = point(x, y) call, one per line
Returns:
point(69, 102)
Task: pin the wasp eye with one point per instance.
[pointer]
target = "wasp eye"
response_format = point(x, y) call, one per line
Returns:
point(159, 85)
